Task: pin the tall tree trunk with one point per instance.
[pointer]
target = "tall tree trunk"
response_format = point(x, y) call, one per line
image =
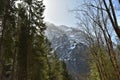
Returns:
point(22, 54)
point(14, 65)
point(99, 64)
point(22, 45)
point(3, 26)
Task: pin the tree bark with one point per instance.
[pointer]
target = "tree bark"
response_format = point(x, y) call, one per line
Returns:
point(112, 17)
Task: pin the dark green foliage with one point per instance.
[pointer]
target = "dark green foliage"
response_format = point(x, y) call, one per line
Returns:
point(24, 47)
point(57, 68)
point(38, 59)
point(65, 73)
point(2, 5)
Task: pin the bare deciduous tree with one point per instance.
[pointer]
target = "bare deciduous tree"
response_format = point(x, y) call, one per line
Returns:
point(97, 23)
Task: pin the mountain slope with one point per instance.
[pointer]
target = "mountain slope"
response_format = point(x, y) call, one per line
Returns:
point(66, 42)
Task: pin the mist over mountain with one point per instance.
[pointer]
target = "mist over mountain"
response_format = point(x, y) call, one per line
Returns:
point(66, 41)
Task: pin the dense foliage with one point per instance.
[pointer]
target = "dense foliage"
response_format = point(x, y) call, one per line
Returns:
point(24, 50)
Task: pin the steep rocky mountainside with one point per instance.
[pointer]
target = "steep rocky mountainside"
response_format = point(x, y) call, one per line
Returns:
point(66, 41)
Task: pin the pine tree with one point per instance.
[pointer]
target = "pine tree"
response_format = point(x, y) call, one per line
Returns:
point(57, 68)
point(24, 49)
point(6, 37)
point(65, 72)
point(31, 51)
point(23, 45)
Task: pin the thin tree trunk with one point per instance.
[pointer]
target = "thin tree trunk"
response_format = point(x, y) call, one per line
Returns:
point(112, 54)
point(100, 65)
point(4, 19)
point(22, 55)
point(112, 17)
point(13, 73)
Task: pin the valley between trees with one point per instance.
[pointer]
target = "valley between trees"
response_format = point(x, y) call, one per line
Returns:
point(26, 53)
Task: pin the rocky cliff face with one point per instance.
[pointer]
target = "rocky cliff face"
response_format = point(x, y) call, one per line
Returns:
point(67, 43)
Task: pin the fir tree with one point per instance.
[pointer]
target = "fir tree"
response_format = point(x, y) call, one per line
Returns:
point(24, 49)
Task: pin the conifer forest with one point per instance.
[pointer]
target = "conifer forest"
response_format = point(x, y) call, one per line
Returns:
point(34, 49)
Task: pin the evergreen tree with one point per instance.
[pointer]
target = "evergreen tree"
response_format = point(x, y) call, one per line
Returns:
point(65, 72)
point(23, 45)
point(31, 41)
point(24, 49)
point(6, 37)
point(55, 68)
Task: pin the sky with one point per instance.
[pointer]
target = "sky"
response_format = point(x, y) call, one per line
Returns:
point(58, 12)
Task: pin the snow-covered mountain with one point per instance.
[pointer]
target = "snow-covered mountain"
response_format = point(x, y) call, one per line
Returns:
point(57, 31)
point(67, 43)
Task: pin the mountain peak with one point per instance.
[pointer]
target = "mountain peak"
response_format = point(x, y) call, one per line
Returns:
point(66, 42)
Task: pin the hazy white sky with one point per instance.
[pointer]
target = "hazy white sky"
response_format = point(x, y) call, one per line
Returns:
point(58, 11)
